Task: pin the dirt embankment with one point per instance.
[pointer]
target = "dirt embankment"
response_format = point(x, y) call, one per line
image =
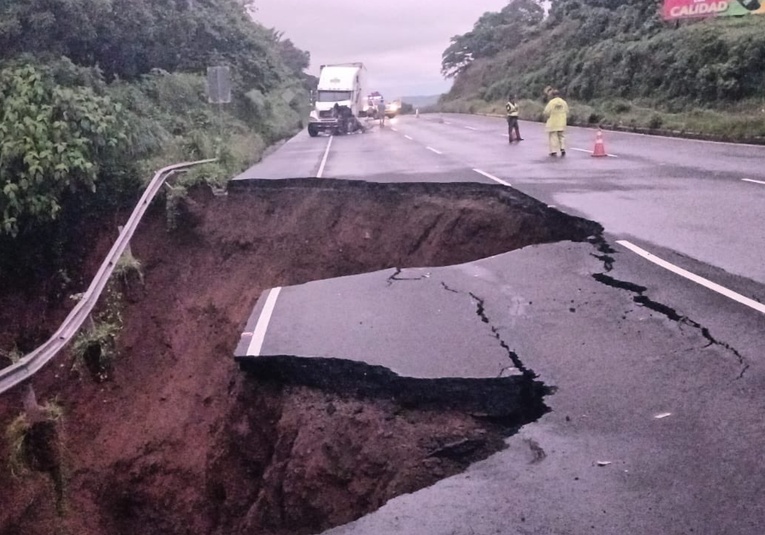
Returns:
point(180, 441)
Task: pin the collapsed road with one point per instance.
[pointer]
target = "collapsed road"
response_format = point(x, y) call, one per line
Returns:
point(368, 438)
point(442, 358)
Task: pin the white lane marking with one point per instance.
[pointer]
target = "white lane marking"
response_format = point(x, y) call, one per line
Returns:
point(259, 334)
point(753, 181)
point(409, 138)
point(434, 150)
point(722, 290)
point(471, 128)
point(590, 152)
point(394, 129)
point(492, 177)
point(447, 122)
point(324, 160)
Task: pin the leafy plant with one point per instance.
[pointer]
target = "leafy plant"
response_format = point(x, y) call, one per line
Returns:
point(51, 140)
point(95, 347)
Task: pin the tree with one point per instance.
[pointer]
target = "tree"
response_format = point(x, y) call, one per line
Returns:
point(492, 33)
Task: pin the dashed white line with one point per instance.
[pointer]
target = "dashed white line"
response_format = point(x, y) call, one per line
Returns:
point(434, 150)
point(409, 138)
point(259, 333)
point(722, 290)
point(753, 181)
point(447, 122)
point(394, 129)
point(471, 128)
point(324, 160)
point(492, 177)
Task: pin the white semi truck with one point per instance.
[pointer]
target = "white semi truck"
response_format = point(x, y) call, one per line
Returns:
point(340, 99)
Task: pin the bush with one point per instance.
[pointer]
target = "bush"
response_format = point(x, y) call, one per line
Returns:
point(53, 140)
point(20, 458)
point(655, 122)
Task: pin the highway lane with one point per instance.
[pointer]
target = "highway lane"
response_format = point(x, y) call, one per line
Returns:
point(299, 157)
point(379, 155)
point(674, 421)
point(660, 377)
point(688, 196)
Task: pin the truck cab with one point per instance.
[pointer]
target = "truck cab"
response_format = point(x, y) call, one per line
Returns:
point(340, 99)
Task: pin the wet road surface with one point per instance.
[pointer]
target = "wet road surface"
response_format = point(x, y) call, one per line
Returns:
point(656, 423)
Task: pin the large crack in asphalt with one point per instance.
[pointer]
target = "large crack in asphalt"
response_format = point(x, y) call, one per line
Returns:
point(395, 277)
point(480, 305)
point(604, 254)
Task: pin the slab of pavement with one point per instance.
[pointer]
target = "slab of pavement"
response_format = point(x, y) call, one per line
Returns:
point(655, 425)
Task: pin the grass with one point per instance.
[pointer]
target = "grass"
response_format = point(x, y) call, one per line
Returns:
point(96, 348)
point(13, 355)
point(16, 435)
point(126, 265)
point(743, 121)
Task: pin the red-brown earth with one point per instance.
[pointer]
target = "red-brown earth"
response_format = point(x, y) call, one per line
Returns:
point(178, 440)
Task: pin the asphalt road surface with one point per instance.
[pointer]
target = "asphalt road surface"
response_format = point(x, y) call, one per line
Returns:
point(657, 421)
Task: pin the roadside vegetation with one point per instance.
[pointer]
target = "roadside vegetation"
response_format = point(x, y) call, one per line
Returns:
point(95, 95)
point(618, 64)
point(35, 445)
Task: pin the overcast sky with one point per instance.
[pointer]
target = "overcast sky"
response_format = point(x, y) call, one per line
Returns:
point(399, 41)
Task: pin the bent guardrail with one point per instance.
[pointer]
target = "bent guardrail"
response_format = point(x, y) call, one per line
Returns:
point(31, 363)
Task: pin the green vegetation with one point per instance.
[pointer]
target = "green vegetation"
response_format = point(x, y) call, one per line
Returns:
point(11, 356)
point(127, 266)
point(20, 458)
point(618, 64)
point(95, 347)
point(97, 94)
point(724, 123)
point(35, 444)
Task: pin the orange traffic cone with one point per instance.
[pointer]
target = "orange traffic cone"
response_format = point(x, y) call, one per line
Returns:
point(600, 148)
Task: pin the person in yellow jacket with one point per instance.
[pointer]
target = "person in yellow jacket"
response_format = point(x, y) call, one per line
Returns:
point(512, 119)
point(556, 113)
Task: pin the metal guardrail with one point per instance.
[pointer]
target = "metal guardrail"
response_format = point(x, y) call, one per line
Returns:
point(31, 363)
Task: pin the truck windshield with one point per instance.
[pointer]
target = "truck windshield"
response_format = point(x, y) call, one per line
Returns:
point(334, 96)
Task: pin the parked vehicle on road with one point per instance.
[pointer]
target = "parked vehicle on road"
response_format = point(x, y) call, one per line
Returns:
point(341, 99)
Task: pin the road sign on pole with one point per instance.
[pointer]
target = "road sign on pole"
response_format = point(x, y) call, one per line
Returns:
point(219, 85)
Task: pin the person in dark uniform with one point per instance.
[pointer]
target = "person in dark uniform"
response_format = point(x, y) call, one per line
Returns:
point(513, 111)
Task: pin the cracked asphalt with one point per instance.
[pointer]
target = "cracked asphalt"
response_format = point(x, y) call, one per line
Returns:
point(656, 421)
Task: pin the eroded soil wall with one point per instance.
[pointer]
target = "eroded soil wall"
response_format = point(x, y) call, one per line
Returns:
point(178, 440)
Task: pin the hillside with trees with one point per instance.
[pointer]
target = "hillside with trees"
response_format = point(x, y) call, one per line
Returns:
point(619, 61)
point(96, 94)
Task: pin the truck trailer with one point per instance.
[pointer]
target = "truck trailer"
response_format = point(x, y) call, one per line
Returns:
point(341, 99)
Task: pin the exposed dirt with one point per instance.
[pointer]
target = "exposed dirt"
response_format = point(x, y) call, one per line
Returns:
point(180, 441)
